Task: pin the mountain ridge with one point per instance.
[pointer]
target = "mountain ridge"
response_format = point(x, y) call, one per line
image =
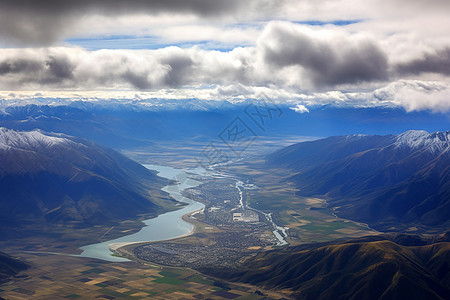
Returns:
point(378, 269)
point(131, 125)
point(55, 178)
point(391, 182)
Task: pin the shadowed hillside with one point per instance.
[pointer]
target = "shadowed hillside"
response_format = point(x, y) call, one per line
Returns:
point(48, 178)
point(9, 266)
point(391, 182)
point(355, 270)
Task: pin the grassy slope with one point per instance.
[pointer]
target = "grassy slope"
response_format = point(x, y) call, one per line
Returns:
point(362, 270)
point(9, 266)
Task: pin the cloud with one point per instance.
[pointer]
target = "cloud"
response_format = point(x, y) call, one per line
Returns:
point(299, 108)
point(311, 61)
point(416, 95)
point(414, 6)
point(171, 67)
point(66, 68)
point(308, 64)
point(326, 57)
point(235, 91)
point(437, 61)
point(412, 95)
point(44, 22)
point(27, 66)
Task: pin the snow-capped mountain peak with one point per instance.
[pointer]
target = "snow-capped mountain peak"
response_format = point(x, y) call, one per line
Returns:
point(28, 139)
point(433, 142)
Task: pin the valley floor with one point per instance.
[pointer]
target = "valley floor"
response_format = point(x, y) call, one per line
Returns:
point(64, 276)
point(232, 228)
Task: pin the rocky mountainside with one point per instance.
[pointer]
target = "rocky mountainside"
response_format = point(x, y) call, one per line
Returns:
point(392, 182)
point(365, 268)
point(53, 178)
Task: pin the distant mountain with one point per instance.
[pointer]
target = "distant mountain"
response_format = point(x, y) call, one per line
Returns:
point(53, 178)
point(123, 127)
point(390, 182)
point(139, 123)
point(353, 270)
point(10, 266)
point(64, 119)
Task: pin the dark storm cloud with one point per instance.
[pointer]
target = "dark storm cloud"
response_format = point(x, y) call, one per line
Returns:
point(173, 71)
point(66, 7)
point(48, 71)
point(286, 55)
point(179, 69)
point(76, 68)
point(435, 62)
point(329, 58)
point(137, 80)
point(17, 66)
point(45, 21)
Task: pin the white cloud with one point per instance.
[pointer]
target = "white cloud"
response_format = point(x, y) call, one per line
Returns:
point(396, 54)
point(299, 108)
point(411, 95)
point(416, 95)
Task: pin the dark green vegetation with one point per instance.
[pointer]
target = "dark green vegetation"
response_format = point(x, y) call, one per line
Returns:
point(10, 266)
point(390, 182)
point(367, 268)
point(48, 179)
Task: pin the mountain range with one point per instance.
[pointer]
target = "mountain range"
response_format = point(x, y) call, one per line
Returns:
point(131, 125)
point(392, 182)
point(367, 268)
point(54, 178)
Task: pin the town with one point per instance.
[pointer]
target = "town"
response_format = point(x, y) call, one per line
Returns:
point(227, 230)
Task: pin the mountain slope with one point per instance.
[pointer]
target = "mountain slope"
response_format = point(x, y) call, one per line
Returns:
point(50, 178)
point(390, 182)
point(9, 266)
point(354, 270)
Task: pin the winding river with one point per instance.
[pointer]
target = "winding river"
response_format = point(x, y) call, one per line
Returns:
point(170, 225)
point(165, 226)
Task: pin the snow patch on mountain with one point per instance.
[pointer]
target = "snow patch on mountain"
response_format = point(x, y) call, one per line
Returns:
point(355, 136)
point(28, 140)
point(420, 139)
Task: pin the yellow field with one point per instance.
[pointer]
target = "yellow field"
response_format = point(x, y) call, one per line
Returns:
point(65, 277)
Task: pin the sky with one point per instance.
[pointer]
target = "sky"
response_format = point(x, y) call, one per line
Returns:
point(302, 52)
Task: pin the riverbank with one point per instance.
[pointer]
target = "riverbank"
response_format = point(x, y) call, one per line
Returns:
point(125, 247)
point(166, 226)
